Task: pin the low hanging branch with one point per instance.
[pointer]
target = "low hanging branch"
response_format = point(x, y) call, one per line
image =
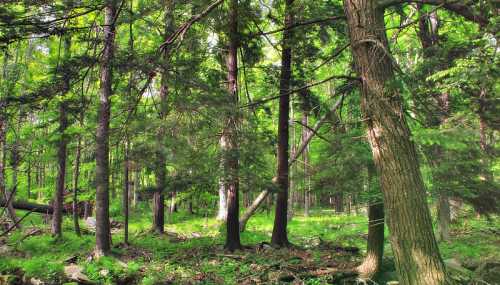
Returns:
point(181, 31)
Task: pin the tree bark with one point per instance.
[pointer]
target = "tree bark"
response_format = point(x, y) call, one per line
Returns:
point(229, 139)
point(103, 234)
point(414, 246)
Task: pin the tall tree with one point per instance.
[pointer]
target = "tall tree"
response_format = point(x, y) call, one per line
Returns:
point(415, 249)
point(229, 138)
point(103, 234)
point(161, 170)
point(279, 236)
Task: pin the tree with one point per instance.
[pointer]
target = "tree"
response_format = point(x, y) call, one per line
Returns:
point(103, 233)
point(229, 138)
point(279, 236)
point(415, 249)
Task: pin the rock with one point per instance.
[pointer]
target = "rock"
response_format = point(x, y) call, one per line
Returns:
point(74, 273)
point(488, 272)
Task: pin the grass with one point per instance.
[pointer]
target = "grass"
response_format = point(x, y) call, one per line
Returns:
point(192, 252)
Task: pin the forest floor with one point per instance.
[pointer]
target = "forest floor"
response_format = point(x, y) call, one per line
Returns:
point(191, 252)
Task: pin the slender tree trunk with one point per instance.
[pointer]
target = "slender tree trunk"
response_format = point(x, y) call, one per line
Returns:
point(76, 176)
point(305, 154)
point(279, 237)
point(126, 185)
point(6, 195)
point(414, 246)
point(230, 148)
point(103, 234)
point(444, 217)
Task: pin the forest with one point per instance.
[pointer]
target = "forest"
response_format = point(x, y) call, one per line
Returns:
point(249, 142)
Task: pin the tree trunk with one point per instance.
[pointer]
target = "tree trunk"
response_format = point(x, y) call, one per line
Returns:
point(6, 195)
point(173, 202)
point(126, 185)
point(103, 234)
point(375, 244)
point(444, 217)
point(76, 176)
point(61, 152)
point(27, 206)
point(229, 139)
point(414, 246)
point(305, 154)
point(279, 237)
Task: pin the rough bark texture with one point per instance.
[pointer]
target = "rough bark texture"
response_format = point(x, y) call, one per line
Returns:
point(103, 234)
point(444, 217)
point(279, 237)
point(230, 136)
point(417, 257)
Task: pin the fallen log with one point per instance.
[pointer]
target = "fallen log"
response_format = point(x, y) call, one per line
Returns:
point(33, 207)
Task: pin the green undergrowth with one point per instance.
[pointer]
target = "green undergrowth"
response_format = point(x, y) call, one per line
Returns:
point(191, 251)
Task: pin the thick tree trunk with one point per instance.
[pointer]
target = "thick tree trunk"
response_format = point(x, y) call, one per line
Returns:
point(279, 237)
point(230, 148)
point(103, 234)
point(414, 246)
